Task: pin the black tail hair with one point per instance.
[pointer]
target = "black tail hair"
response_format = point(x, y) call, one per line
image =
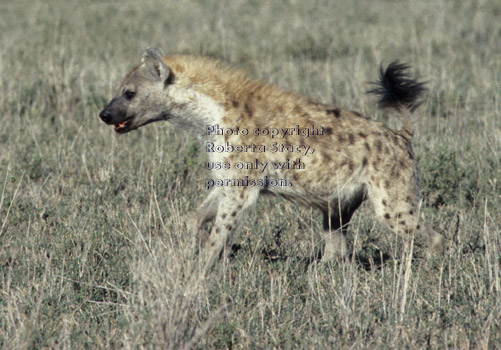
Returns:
point(397, 89)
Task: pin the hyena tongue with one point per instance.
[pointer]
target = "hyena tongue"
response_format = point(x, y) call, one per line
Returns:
point(120, 125)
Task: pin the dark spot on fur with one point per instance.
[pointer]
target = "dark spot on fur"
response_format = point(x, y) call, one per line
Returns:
point(368, 147)
point(399, 215)
point(393, 171)
point(411, 212)
point(379, 145)
point(218, 230)
point(365, 162)
point(241, 195)
point(248, 110)
point(336, 112)
point(408, 199)
point(239, 206)
point(213, 244)
point(362, 135)
point(327, 156)
point(228, 227)
point(235, 103)
point(340, 138)
point(387, 184)
point(351, 137)
point(387, 216)
point(374, 165)
point(329, 131)
point(350, 165)
point(402, 222)
point(234, 214)
point(223, 216)
point(418, 227)
point(356, 113)
point(384, 202)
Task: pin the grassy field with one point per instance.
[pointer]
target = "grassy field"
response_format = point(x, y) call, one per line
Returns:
point(94, 249)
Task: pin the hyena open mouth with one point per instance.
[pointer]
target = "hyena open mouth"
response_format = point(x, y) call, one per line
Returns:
point(124, 127)
point(121, 126)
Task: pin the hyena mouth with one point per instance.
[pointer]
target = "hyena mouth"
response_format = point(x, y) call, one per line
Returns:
point(123, 127)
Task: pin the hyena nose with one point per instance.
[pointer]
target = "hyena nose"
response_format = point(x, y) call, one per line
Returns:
point(105, 116)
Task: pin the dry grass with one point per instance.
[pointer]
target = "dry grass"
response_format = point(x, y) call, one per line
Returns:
point(94, 250)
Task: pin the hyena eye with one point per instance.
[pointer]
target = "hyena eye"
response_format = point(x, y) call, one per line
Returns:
point(129, 94)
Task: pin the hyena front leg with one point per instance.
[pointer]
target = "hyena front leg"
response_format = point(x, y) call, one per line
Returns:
point(206, 212)
point(233, 202)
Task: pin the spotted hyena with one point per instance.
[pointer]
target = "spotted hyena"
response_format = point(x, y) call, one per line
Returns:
point(263, 140)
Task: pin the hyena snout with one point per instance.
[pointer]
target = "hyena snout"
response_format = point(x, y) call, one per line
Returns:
point(105, 116)
point(115, 114)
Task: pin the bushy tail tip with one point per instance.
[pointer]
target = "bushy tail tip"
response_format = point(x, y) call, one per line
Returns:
point(397, 89)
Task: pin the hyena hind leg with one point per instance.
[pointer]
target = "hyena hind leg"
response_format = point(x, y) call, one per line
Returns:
point(336, 225)
point(334, 245)
point(403, 218)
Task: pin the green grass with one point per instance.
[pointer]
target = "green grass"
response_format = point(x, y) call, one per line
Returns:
point(94, 249)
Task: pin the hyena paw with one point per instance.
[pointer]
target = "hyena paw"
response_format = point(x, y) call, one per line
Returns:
point(436, 242)
point(335, 247)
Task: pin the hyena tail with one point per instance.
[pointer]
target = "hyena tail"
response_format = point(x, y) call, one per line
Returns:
point(397, 90)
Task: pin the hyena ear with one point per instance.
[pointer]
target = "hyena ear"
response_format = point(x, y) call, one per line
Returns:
point(154, 64)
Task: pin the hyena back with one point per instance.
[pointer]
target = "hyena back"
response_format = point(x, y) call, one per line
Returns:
point(351, 158)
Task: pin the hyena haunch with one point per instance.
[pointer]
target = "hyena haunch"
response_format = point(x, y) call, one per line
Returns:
point(355, 158)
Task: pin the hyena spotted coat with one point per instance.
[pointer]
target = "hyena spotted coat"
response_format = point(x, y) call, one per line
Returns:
point(355, 159)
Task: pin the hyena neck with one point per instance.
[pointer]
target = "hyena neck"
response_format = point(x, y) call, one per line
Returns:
point(192, 111)
point(206, 92)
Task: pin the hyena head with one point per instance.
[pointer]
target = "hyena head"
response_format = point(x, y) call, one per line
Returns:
point(138, 100)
